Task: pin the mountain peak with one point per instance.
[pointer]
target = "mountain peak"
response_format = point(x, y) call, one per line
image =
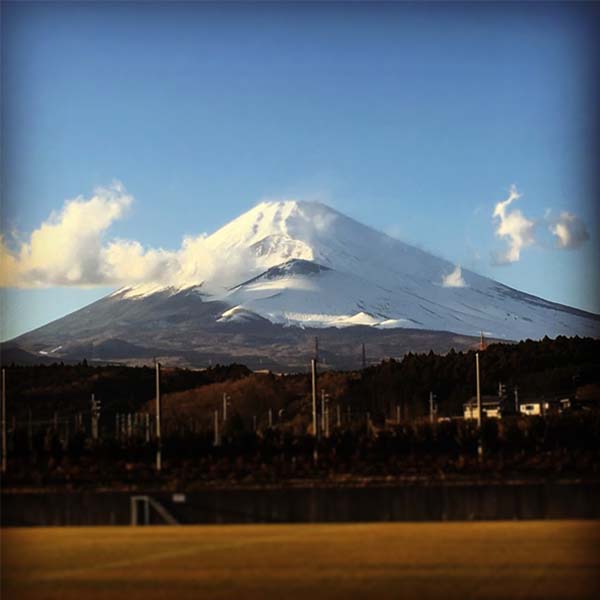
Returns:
point(295, 225)
point(302, 263)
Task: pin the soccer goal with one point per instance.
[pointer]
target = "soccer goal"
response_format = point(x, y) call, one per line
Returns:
point(140, 511)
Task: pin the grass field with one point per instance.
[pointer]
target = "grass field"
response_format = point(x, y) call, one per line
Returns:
point(545, 560)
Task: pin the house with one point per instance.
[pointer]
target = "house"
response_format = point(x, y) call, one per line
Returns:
point(533, 408)
point(491, 408)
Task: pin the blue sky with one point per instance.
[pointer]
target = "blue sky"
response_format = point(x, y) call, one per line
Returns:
point(414, 119)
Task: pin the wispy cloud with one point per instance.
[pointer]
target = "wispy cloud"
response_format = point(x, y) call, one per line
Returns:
point(514, 227)
point(454, 279)
point(570, 231)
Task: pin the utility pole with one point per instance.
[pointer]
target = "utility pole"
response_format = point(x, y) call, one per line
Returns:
point(313, 368)
point(323, 411)
point(4, 445)
point(217, 441)
point(225, 401)
point(478, 390)
point(431, 407)
point(158, 417)
point(479, 445)
point(95, 412)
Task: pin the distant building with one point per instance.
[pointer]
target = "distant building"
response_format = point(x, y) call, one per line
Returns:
point(491, 408)
point(533, 408)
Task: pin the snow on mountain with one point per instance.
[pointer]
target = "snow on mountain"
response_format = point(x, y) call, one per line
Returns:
point(305, 264)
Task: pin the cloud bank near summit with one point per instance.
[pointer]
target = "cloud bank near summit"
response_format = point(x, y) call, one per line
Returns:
point(70, 249)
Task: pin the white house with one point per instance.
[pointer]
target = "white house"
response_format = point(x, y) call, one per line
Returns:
point(490, 408)
point(532, 408)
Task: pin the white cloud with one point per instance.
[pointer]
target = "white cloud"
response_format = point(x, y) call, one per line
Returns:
point(70, 249)
point(66, 248)
point(513, 226)
point(454, 279)
point(570, 231)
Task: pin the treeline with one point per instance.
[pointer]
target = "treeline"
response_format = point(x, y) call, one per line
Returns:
point(547, 368)
point(543, 369)
point(67, 389)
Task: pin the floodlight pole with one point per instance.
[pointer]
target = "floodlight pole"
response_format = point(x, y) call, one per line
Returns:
point(4, 445)
point(480, 441)
point(478, 390)
point(313, 366)
point(225, 399)
point(323, 424)
point(431, 396)
point(217, 441)
point(158, 417)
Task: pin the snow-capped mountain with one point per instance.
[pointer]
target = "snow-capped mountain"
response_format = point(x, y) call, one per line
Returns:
point(305, 264)
point(283, 269)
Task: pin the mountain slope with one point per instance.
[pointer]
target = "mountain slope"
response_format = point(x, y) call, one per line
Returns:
point(287, 266)
point(303, 263)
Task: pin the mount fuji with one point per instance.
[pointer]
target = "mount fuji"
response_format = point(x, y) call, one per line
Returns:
point(269, 281)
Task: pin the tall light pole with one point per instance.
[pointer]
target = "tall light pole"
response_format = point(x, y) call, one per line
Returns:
point(324, 413)
point(226, 399)
point(478, 390)
point(95, 414)
point(480, 441)
point(431, 407)
point(217, 441)
point(4, 420)
point(158, 417)
point(313, 368)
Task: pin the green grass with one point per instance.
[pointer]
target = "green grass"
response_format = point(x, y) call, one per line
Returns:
point(545, 560)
